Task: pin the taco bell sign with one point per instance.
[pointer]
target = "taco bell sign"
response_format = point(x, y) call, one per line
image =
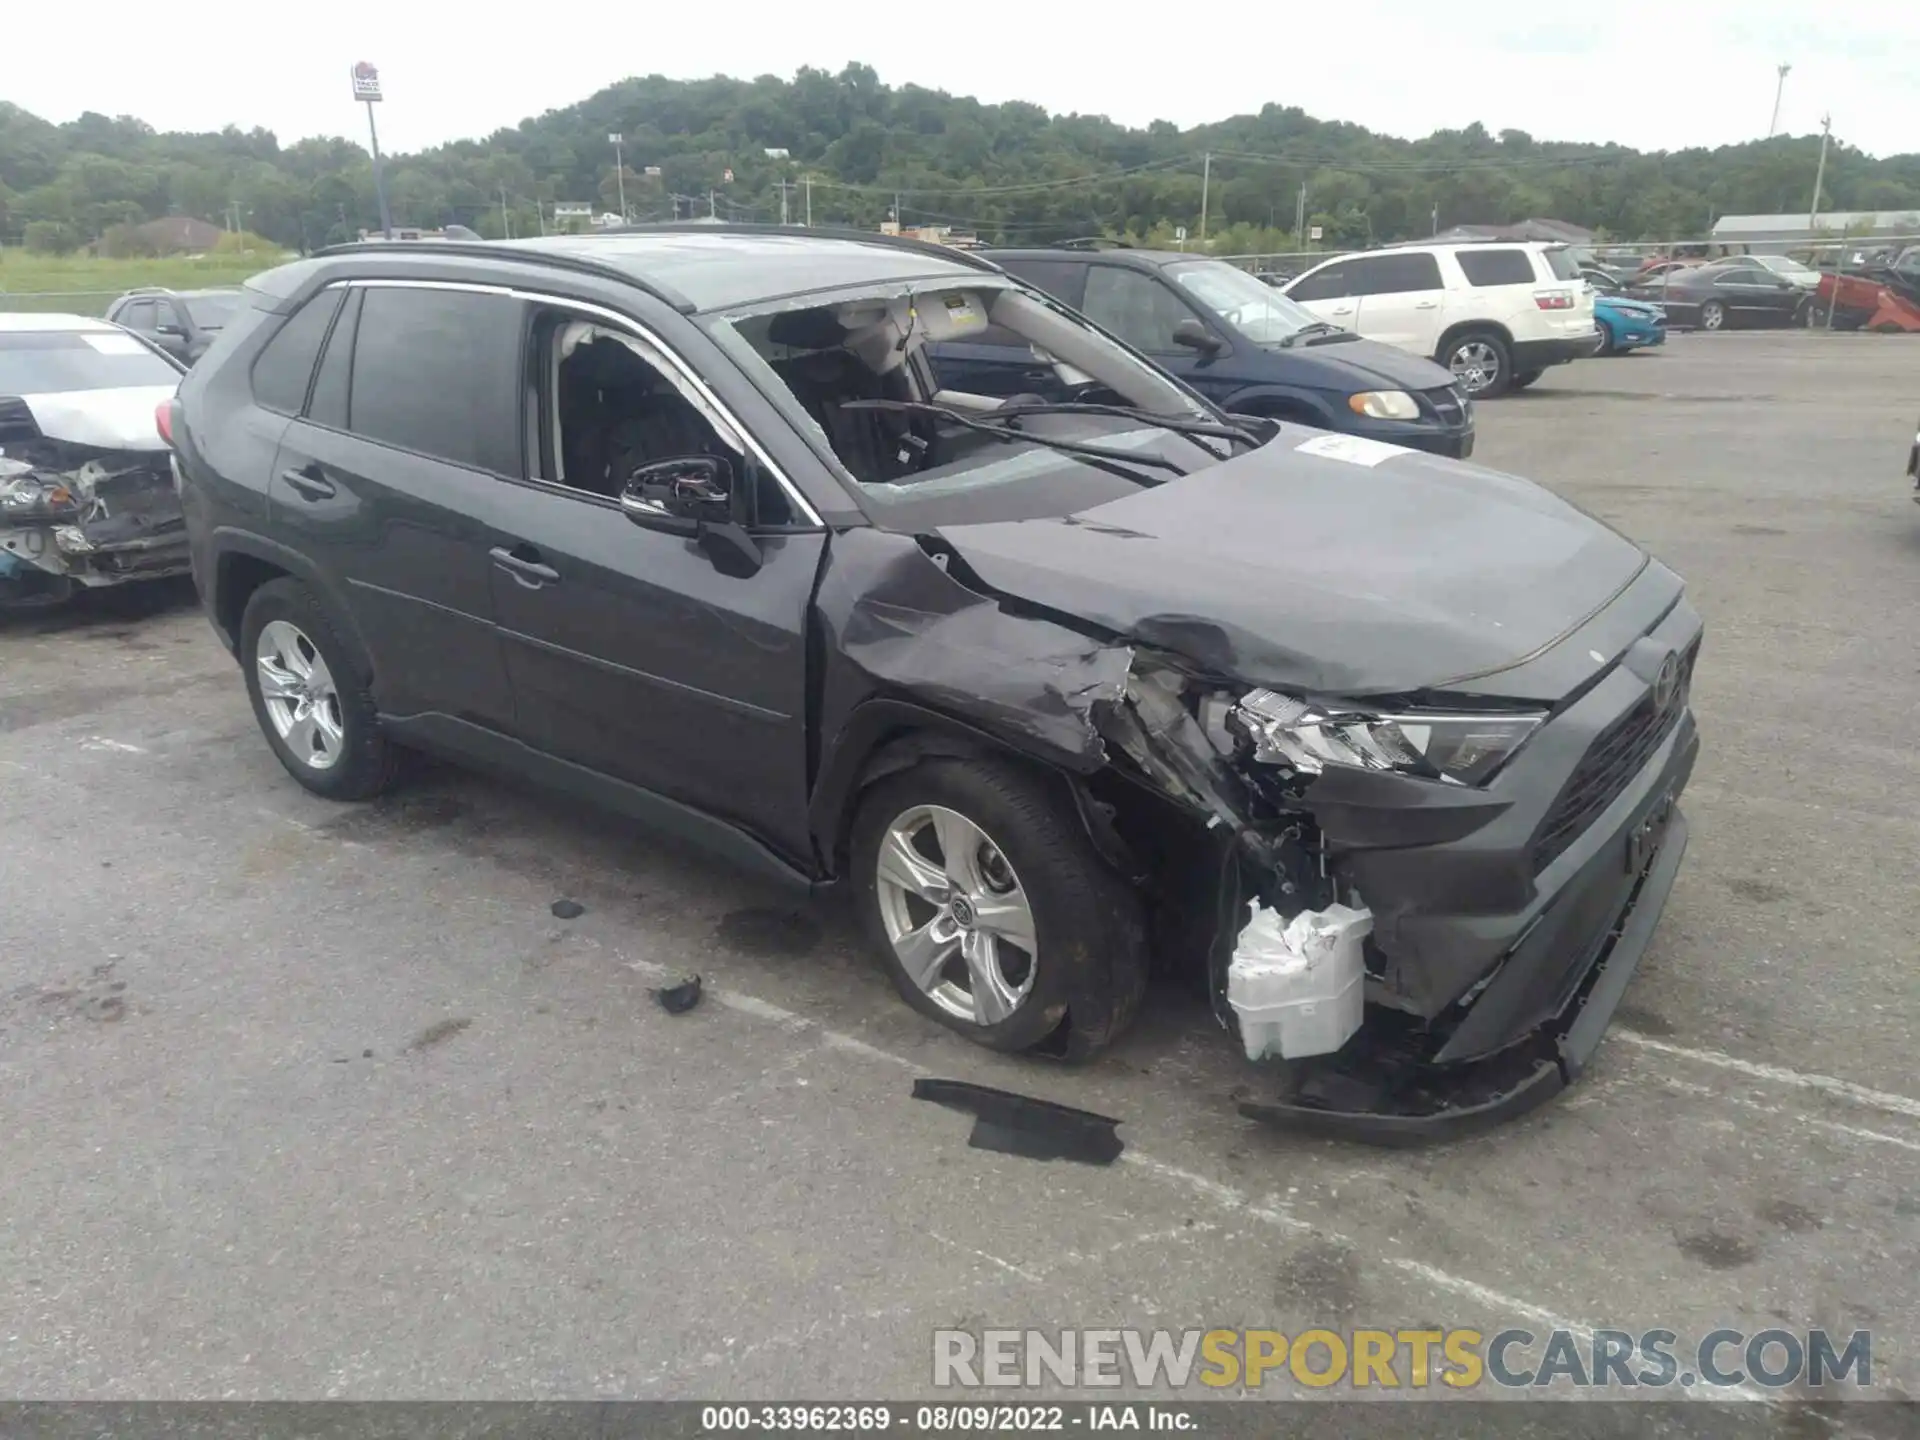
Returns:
point(366, 82)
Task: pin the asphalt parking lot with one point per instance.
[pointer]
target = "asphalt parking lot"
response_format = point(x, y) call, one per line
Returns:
point(306, 1101)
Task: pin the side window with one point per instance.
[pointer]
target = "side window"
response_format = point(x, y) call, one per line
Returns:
point(1064, 280)
point(1134, 306)
point(1496, 267)
point(438, 372)
point(329, 403)
point(1331, 283)
point(282, 370)
point(603, 403)
point(166, 313)
point(1395, 274)
point(138, 316)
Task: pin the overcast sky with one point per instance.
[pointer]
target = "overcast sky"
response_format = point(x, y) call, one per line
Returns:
point(1653, 76)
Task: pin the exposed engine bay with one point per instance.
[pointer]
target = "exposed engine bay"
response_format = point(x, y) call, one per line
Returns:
point(83, 514)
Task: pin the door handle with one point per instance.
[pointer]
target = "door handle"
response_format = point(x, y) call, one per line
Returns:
point(527, 572)
point(308, 481)
point(1426, 304)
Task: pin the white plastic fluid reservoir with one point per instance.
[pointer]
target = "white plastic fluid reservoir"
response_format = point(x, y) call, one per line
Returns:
point(1299, 986)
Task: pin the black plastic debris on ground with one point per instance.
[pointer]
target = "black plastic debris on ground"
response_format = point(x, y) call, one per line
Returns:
point(678, 999)
point(568, 909)
point(1021, 1125)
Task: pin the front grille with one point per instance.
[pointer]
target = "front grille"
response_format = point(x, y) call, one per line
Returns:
point(1609, 765)
point(1447, 404)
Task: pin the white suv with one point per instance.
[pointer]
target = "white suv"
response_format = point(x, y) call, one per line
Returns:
point(1496, 315)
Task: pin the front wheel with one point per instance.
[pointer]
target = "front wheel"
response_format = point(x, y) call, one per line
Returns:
point(1609, 343)
point(1713, 316)
point(1480, 363)
point(34, 591)
point(1814, 315)
point(992, 910)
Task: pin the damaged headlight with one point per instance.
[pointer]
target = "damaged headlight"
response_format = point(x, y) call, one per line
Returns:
point(26, 496)
point(1436, 745)
point(1384, 405)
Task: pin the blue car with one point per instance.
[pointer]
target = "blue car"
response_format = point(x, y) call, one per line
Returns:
point(1628, 324)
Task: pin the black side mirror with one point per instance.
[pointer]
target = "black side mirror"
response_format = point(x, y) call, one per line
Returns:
point(1192, 335)
point(692, 495)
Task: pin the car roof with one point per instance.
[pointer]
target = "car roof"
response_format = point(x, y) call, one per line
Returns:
point(728, 266)
point(1114, 255)
point(19, 320)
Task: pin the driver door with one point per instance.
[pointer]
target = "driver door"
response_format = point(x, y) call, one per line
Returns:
point(631, 650)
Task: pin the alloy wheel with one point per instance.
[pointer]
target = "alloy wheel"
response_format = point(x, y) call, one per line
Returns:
point(298, 691)
point(958, 918)
point(1475, 364)
point(1713, 316)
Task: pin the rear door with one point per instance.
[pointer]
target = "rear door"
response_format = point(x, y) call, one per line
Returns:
point(388, 479)
point(998, 362)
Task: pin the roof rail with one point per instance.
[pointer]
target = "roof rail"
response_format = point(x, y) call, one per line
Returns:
point(826, 232)
point(1090, 242)
point(535, 254)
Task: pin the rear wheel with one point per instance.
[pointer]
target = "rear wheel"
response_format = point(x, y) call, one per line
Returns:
point(308, 695)
point(1480, 363)
point(1713, 316)
point(992, 910)
point(1814, 315)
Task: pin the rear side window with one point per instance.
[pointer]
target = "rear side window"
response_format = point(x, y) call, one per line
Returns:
point(1064, 280)
point(1498, 267)
point(1393, 274)
point(438, 372)
point(329, 403)
point(1564, 264)
point(284, 368)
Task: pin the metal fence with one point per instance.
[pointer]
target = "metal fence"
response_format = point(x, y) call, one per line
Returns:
point(64, 302)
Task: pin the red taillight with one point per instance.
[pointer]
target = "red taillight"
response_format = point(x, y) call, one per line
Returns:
point(1554, 300)
point(163, 420)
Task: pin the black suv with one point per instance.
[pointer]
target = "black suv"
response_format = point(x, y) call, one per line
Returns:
point(181, 322)
point(682, 521)
point(1232, 336)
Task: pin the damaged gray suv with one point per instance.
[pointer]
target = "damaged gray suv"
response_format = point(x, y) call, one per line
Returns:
point(1378, 752)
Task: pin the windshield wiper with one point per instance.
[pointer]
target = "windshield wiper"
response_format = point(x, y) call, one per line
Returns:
point(1319, 332)
point(1179, 424)
point(1003, 431)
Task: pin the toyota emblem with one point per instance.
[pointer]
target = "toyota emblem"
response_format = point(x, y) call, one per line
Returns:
point(1667, 684)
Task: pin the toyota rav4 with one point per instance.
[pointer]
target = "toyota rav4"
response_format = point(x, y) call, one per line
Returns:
point(1378, 751)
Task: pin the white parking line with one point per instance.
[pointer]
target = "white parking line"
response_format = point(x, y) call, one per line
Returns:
point(1227, 1197)
point(1779, 1075)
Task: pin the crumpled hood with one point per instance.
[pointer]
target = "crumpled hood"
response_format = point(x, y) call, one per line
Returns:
point(120, 419)
point(1324, 563)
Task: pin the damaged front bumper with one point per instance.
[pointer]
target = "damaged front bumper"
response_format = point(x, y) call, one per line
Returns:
point(104, 521)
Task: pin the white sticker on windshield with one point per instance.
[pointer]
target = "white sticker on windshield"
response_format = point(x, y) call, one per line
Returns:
point(108, 343)
point(1353, 449)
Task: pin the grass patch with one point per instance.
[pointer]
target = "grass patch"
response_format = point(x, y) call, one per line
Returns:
point(86, 285)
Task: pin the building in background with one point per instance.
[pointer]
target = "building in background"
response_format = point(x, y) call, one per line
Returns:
point(1777, 234)
point(1550, 232)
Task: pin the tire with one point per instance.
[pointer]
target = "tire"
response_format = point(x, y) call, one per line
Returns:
point(1713, 316)
point(325, 729)
point(1482, 353)
point(1078, 986)
point(1526, 378)
point(1814, 315)
point(1609, 343)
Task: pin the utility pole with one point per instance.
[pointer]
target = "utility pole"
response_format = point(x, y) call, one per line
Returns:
point(615, 139)
point(809, 201)
point(1300, 219)
point(784, 186)
point(1778, 89)
point(506, 225)
point(1819, 174)
point(1206, 180)
point(713, 204)
point(1436, 217)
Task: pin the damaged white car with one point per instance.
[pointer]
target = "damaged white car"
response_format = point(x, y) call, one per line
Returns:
point(86, 493)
